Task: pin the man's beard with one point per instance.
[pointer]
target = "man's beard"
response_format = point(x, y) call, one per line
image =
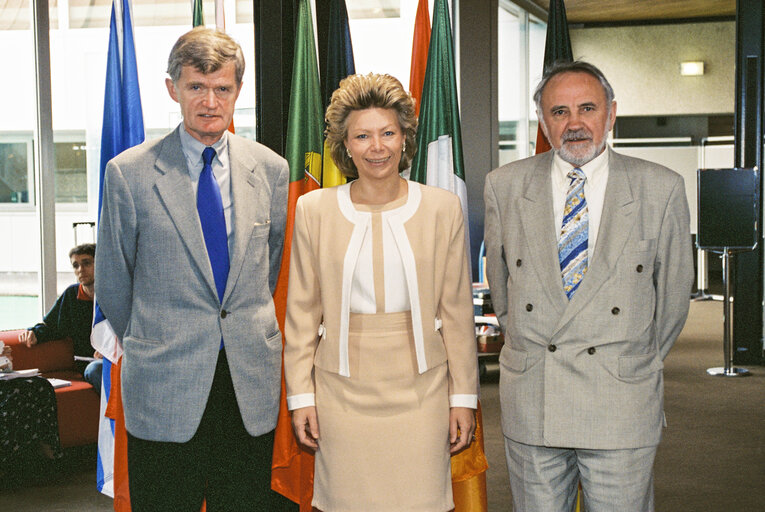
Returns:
point(581, 155)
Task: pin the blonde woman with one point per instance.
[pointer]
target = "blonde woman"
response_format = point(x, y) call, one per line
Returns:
point(380, 356)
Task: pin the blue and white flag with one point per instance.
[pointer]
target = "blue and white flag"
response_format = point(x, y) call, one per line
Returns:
point(122, 128)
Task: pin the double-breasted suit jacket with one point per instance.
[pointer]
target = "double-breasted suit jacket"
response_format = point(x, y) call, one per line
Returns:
point(587, 373)
point(155, 284)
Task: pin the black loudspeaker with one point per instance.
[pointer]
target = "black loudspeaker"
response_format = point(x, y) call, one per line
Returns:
point(728, 208)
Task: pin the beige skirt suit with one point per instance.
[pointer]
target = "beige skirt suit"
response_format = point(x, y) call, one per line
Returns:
point(380, 338)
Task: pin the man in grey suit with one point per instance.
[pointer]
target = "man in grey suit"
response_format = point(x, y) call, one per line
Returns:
point(189, 247)
point(590, 267)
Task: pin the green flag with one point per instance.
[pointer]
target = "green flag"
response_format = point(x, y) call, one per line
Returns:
point(304, 126)
point(197, 16)
point(438, 161)
point(292, 468)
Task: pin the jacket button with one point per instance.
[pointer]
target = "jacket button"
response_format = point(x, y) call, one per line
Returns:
point(615, 311)
point(529, 307)
point(552, 348)
point(591, 350)
point(223, 313)
point(639, 268)
point(518, 262)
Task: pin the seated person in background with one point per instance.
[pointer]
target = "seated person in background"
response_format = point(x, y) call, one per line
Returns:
point(72, 316)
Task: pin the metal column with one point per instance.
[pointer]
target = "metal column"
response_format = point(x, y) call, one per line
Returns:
point(748, 289)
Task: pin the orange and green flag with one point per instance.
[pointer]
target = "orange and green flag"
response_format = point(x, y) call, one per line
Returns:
point(292, 468)
point(438, 162)
point(420, 43)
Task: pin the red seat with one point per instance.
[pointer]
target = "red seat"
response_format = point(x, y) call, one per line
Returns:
point(78, 404)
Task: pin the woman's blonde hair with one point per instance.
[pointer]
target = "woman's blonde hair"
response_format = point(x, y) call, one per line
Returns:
point(360, 92)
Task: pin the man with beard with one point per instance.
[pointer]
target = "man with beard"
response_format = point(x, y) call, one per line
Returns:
point(590, 268)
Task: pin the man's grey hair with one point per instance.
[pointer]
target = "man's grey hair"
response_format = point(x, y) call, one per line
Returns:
point(577, 66)
point(207, 50)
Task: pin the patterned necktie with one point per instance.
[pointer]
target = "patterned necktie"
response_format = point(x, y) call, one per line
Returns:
point(210, 208)
point(574, 234)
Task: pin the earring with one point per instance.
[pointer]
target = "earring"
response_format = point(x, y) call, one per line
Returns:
point(348, 152)
point(403, 148)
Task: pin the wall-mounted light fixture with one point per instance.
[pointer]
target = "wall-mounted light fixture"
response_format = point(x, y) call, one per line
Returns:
point(692, 68)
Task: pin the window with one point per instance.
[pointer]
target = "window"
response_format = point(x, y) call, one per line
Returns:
point(520, 51)
point(96, 13)
point(16, 176)
point(71, 172)
point(17, 14)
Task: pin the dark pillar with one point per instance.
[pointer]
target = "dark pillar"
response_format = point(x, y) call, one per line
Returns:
point(477, 40)
point(748, 280)
point(274, 50)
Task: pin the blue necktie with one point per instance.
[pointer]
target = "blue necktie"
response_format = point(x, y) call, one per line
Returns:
point(574, 234)
point(210, 208)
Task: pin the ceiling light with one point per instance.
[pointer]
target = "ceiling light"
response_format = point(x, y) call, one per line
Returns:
point(692, 68)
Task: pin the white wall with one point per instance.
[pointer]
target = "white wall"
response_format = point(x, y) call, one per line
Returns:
point(643, 66)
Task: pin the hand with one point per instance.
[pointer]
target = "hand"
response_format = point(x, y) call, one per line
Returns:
point(97, 355)
point(461, 428)
point(305, 424)
point(28, 338)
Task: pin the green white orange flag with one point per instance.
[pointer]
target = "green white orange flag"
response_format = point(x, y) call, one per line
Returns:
point(292, 468)
point(420, 43)
point(438, 162)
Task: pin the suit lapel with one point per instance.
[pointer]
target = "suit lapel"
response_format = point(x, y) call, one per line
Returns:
point(245, 190)
point(175, 191)
point(539, 227)
point(616, 224)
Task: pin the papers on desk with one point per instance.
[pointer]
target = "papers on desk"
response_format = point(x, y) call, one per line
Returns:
point(59, 383)
point(32, 372)
point(489, 320)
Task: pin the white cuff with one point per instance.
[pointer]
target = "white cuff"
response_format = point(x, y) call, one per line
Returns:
point(469, 401)
point(302, 400)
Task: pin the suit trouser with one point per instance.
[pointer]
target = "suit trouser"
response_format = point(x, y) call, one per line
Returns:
point(544, 479)
point(222, 462)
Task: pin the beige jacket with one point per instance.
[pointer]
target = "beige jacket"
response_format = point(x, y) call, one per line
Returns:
point(430, 235)
point(587, 373)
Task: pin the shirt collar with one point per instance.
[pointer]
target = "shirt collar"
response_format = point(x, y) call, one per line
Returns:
point(192, 148)
point(591, 169)
point(82, 294)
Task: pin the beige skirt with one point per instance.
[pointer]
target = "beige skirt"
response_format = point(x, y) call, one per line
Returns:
point(384, 432)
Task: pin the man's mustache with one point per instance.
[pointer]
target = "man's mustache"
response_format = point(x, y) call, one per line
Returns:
point(576, 135)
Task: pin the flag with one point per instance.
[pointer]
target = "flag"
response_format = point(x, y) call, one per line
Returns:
point(438, 162)
point(420, 43)
point(292, 468)
point(339, 65)
point(557, 49)
point(122, 128)
point(197, 13)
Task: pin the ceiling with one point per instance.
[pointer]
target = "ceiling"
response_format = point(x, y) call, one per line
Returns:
point(611, 11)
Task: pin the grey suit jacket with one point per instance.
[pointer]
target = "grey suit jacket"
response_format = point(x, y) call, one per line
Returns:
point(587, 373)
point(155, 284)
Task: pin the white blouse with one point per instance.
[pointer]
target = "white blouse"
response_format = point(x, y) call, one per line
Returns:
point(379, 279)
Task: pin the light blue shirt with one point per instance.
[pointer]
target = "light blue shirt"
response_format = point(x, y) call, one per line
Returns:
point(221, 168)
